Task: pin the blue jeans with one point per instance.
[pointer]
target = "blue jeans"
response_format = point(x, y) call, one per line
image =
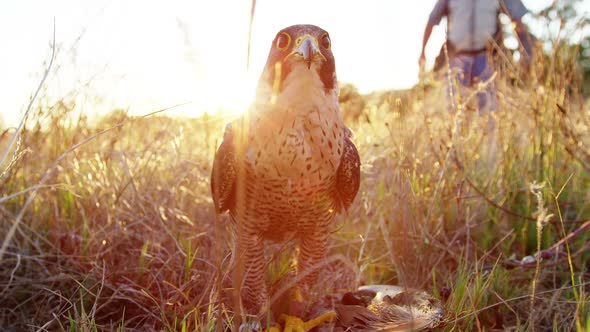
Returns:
point(469, 70)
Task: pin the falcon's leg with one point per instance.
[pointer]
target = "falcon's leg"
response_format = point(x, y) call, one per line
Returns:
point(249, 275)
point(311, 252)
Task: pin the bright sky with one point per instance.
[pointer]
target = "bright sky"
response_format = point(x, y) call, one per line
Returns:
point(146, 55)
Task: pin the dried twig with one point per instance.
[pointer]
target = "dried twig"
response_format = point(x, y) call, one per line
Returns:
point(554, 249)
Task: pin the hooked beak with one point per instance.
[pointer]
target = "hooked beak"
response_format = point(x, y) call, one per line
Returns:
point(306, 49)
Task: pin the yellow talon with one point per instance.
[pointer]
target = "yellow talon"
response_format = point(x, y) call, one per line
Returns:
point(273, 329)
point(326, 316)
point(295, 324)
point(292, 323)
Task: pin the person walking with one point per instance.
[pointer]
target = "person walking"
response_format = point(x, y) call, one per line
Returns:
point(473, 26)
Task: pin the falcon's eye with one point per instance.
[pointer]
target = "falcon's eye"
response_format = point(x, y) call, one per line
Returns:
point(326, 43)
point(283, 41)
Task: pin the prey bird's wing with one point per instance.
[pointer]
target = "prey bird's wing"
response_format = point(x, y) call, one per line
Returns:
point(224, 173)
point(348, 176)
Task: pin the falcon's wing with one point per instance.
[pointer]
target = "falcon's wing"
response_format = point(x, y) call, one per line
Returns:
point(348, 177)
point(223, 175)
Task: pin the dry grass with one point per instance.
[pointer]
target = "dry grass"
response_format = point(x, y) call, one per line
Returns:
point(121, 232)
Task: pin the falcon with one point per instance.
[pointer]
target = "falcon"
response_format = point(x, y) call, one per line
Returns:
point(287, 166)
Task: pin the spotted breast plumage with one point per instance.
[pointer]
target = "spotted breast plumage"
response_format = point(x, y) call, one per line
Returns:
point(288, 164)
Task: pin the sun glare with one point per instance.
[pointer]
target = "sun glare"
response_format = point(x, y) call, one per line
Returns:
point(229, 97)
point(213, 61)
point(196, 53)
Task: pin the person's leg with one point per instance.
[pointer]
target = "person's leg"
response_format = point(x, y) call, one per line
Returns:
point(458, 81)
point(487, 105)
point(483, 71)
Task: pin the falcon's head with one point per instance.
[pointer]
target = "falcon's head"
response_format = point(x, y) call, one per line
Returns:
point(300, 58)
